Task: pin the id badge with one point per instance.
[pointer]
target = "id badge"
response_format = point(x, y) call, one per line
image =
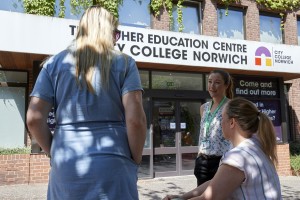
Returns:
point(205, 144)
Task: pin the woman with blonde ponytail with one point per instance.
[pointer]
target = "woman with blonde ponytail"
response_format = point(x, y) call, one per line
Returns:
point(248, 170)
point(100, 128)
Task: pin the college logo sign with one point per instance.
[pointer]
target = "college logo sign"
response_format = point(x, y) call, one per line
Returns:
point(258, 56)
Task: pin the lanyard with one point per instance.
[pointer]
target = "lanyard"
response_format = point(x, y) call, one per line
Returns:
point(208, 119)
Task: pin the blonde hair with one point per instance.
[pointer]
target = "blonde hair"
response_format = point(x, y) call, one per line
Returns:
point(251, 121)
point(94, 45)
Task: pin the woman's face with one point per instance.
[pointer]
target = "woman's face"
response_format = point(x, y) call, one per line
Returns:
point(216, 85)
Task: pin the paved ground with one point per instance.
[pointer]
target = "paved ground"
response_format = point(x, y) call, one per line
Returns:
point(149, 189)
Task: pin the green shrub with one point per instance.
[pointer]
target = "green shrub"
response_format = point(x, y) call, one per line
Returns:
point(295, 157)
point(17, 150)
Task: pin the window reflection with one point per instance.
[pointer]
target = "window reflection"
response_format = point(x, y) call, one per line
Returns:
point(135, 13)
point(12, 5)
point(13, 76)
point(144, 78)
point(190, 119)
point(191, 18)
point(144, 168)
point(188, 160)
point(232, 25)
point(164, 163)
point(177, 81)
point(12, 117)
point(146, 106)
point(270, 29)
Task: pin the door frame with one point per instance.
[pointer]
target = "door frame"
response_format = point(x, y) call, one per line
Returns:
point(164, 94)
point(178, 150)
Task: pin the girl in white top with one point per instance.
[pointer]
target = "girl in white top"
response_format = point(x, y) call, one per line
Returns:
point(212, 144)
point(248, 170)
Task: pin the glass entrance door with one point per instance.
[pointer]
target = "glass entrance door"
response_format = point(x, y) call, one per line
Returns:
point(175, 136)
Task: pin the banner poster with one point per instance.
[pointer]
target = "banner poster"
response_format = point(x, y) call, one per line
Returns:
point(256, 87)
point(272, 109)
point(265, 92)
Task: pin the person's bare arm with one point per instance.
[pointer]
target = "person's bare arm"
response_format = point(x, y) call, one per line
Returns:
point(201, 110)
point(37, 116)
point(226, 180)
point(135, 122)
point(188, 195)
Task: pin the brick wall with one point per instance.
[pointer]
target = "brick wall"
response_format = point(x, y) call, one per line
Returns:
point(34, 168)
point(251, 20)
point(294, 95)
point(23, 169)
point(283, 153)
point(210, 17)
point(161, 22)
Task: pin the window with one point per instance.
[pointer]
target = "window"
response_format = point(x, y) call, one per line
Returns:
point(232, 24)
point(191, 18)
point(177, 81)
point(298, 27)
point(17, 6)
point(144, 78)
point(270, 30)
point(13, 97)
point(135, 13)
point(12, 5)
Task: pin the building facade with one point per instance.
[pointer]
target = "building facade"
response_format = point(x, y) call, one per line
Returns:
point(247, 42)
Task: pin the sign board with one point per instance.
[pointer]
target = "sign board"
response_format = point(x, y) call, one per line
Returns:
point(50, 35)
point(257, 87)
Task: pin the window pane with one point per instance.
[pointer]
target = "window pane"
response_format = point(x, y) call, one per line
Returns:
point(146, 105)
point(144, 168)
point(135, 13)
point(232, 25)
point(298, 25)
point(188, 161)
point(191, 19)
point(144, 78)
point(177, 81)
point(270, 29)
point(13, 76)
point(190, 115)
point(164, 163)
point(12, 5)
point(12, 117)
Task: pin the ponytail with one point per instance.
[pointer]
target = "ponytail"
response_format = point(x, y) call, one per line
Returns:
point(266, 134)
point(252, 121)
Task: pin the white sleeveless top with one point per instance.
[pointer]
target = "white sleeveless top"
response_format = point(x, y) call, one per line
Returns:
point(218, 144)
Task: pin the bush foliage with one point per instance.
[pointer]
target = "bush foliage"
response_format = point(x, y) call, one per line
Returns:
point(18, 150)
point(295, 157)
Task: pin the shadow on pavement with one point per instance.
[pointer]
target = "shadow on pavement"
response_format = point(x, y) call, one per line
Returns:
point(290, 193)
point(169, 188)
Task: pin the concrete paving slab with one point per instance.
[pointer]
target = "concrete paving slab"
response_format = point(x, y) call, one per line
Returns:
point(149, 189)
